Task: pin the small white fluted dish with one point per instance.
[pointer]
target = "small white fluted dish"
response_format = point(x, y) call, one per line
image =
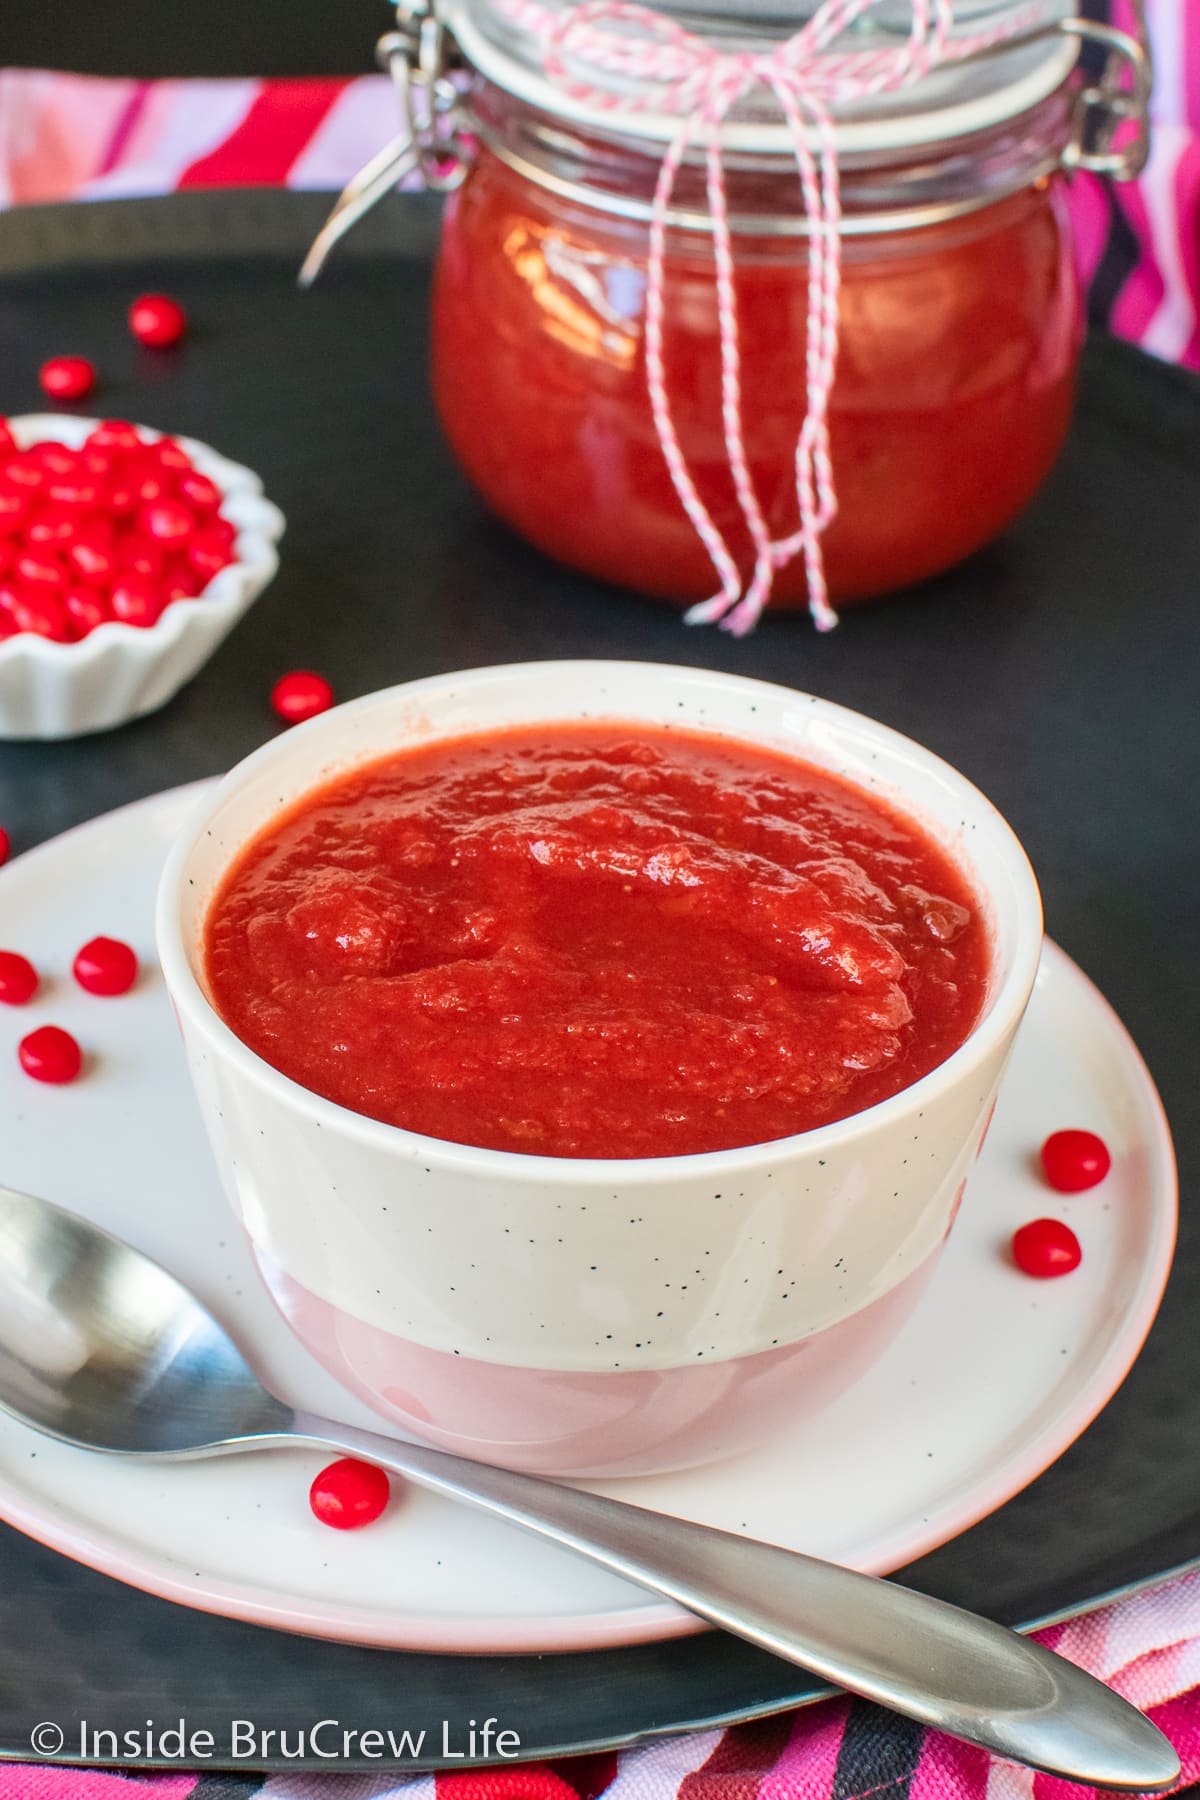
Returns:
point(120, 672)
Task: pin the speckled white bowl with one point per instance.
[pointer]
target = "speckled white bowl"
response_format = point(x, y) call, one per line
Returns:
point(589, 1316)
point(119, 672)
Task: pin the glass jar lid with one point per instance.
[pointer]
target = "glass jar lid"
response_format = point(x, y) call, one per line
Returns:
point(1002, 57)
point(856, 81)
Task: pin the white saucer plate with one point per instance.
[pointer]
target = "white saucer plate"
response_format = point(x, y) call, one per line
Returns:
point(991, 1380)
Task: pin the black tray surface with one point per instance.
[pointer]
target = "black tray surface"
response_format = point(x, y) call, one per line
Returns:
point(1058, 669)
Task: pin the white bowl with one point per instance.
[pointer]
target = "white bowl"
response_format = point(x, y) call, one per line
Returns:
point(119, 672)
point(588, 1316)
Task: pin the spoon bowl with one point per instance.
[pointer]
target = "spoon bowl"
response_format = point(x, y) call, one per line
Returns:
point(102, 1348)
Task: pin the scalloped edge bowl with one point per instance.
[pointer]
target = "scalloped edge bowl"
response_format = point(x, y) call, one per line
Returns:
point(121, 672)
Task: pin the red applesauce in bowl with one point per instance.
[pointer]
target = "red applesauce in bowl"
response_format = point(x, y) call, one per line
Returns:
point(597, 941)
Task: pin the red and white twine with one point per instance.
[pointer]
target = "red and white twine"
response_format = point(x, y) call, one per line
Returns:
point(584, 48)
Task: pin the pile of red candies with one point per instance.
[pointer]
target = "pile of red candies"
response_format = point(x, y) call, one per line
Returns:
point(115, 530)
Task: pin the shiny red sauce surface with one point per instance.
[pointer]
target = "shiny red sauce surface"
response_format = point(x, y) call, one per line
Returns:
point(597, 942)
point(954, 387)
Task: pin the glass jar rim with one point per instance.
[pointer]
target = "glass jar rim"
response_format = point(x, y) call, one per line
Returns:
point(883, 193)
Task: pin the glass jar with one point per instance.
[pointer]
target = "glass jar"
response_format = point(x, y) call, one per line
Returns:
point(959, 316)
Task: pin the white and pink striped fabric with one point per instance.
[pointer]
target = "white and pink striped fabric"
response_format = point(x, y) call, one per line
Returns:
point(79, 137)
point(75, 137)
point(1141, 242)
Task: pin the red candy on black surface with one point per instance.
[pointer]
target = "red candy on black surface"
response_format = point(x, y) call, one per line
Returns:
point(157, 320)
point(301, 695)
point(67, 377)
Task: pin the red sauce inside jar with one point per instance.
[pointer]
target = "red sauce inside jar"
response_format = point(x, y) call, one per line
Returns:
point(954, 385)
point(597, 942)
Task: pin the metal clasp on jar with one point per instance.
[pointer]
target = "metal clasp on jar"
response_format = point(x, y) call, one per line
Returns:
point(422, 59)
point(1120, 93)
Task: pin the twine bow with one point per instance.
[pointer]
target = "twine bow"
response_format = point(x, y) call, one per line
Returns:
point(584, 48)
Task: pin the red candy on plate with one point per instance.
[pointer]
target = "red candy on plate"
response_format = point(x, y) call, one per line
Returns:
point(50, 1054)
point(348, 1494)
point(301, 695)
point(1075, 1160)
point(128, 518)
point(1046, 1248)
point(105, 966)
point(4, 845)
point(18, 978)
point(157, 320)
point(67, 377)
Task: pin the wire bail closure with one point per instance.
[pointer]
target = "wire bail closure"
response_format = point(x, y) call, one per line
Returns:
point(1118, 96)
point(421, 58)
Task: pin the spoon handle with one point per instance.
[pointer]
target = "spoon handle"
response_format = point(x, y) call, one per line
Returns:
point(934, 1662)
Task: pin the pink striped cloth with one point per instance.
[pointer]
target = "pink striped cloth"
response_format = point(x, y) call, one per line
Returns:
point(71, 136)
point(1147, 1647)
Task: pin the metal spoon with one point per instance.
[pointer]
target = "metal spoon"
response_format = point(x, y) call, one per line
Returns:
point(101, 1348)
